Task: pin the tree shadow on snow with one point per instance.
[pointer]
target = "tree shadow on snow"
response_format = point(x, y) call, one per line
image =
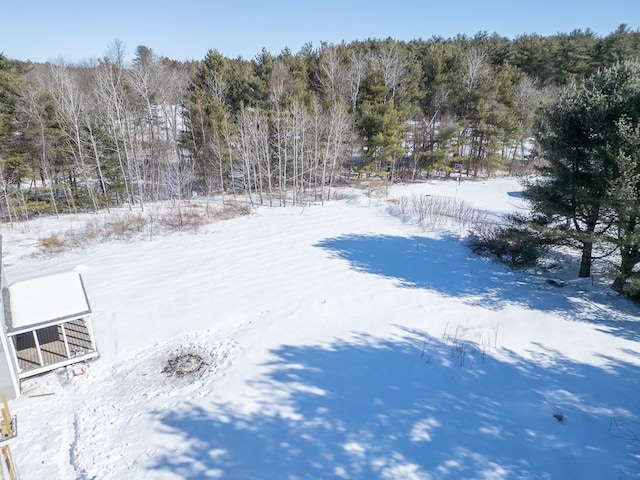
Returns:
point(448, 267)
point(411, 408)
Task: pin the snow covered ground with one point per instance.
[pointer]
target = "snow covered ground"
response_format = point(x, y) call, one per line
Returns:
point(340, 343)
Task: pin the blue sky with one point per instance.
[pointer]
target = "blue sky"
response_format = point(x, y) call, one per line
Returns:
point(75, 30)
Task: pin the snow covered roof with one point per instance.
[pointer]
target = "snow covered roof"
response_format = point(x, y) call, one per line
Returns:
point(46, 299)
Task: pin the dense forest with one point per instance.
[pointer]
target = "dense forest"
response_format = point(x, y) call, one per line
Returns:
point(284, 127)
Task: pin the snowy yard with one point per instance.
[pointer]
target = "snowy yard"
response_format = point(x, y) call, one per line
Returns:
point(340, 342)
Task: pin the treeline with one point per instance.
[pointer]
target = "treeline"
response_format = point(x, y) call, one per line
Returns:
point(285, 127)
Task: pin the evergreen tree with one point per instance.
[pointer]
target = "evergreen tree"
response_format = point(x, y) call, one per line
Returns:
point(625, 200)
point(10, 72)
point(581, 137)
point(207, 121)
point(381, 124)
point(622, 44)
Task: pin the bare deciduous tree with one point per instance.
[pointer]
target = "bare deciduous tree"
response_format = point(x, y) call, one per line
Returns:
point(475, 60)
point(71, 103)
point(358, 68)
point(393, 63)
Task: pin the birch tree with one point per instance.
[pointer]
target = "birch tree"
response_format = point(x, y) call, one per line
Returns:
point(113, 105)
point(393, 63)
point(70, 104)
point(358, 68)
point(338, 141)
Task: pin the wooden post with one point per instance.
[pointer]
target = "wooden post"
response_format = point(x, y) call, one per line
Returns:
point(66, 342)
point(6, 429)
point(38, 349)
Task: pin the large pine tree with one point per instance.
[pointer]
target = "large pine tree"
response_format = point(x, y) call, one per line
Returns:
point(582, 138)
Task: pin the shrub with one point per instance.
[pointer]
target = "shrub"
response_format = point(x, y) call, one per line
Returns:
point(126, 226)
point(232, 210)
point(90, 233)
point(436, 211)
point(515, 244)
point(632, 287)
point(181, 218)
point(52, 245)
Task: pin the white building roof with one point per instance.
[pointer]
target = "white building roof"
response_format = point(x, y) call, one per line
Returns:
point(46, 299)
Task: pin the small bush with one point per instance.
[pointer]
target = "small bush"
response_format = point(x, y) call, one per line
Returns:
point(181, 218)
point(632, 288)
point(514, 245)
point(231, 210)
point(90, 233)
point(436, 211)
point(52, 245)
point(373, 188)
point(126, 226)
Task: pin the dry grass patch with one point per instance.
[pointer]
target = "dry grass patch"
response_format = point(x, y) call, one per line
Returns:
point(90, 233)
point(178, 217)
point(231, 210)
point(52, 245)
point(126, 226)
